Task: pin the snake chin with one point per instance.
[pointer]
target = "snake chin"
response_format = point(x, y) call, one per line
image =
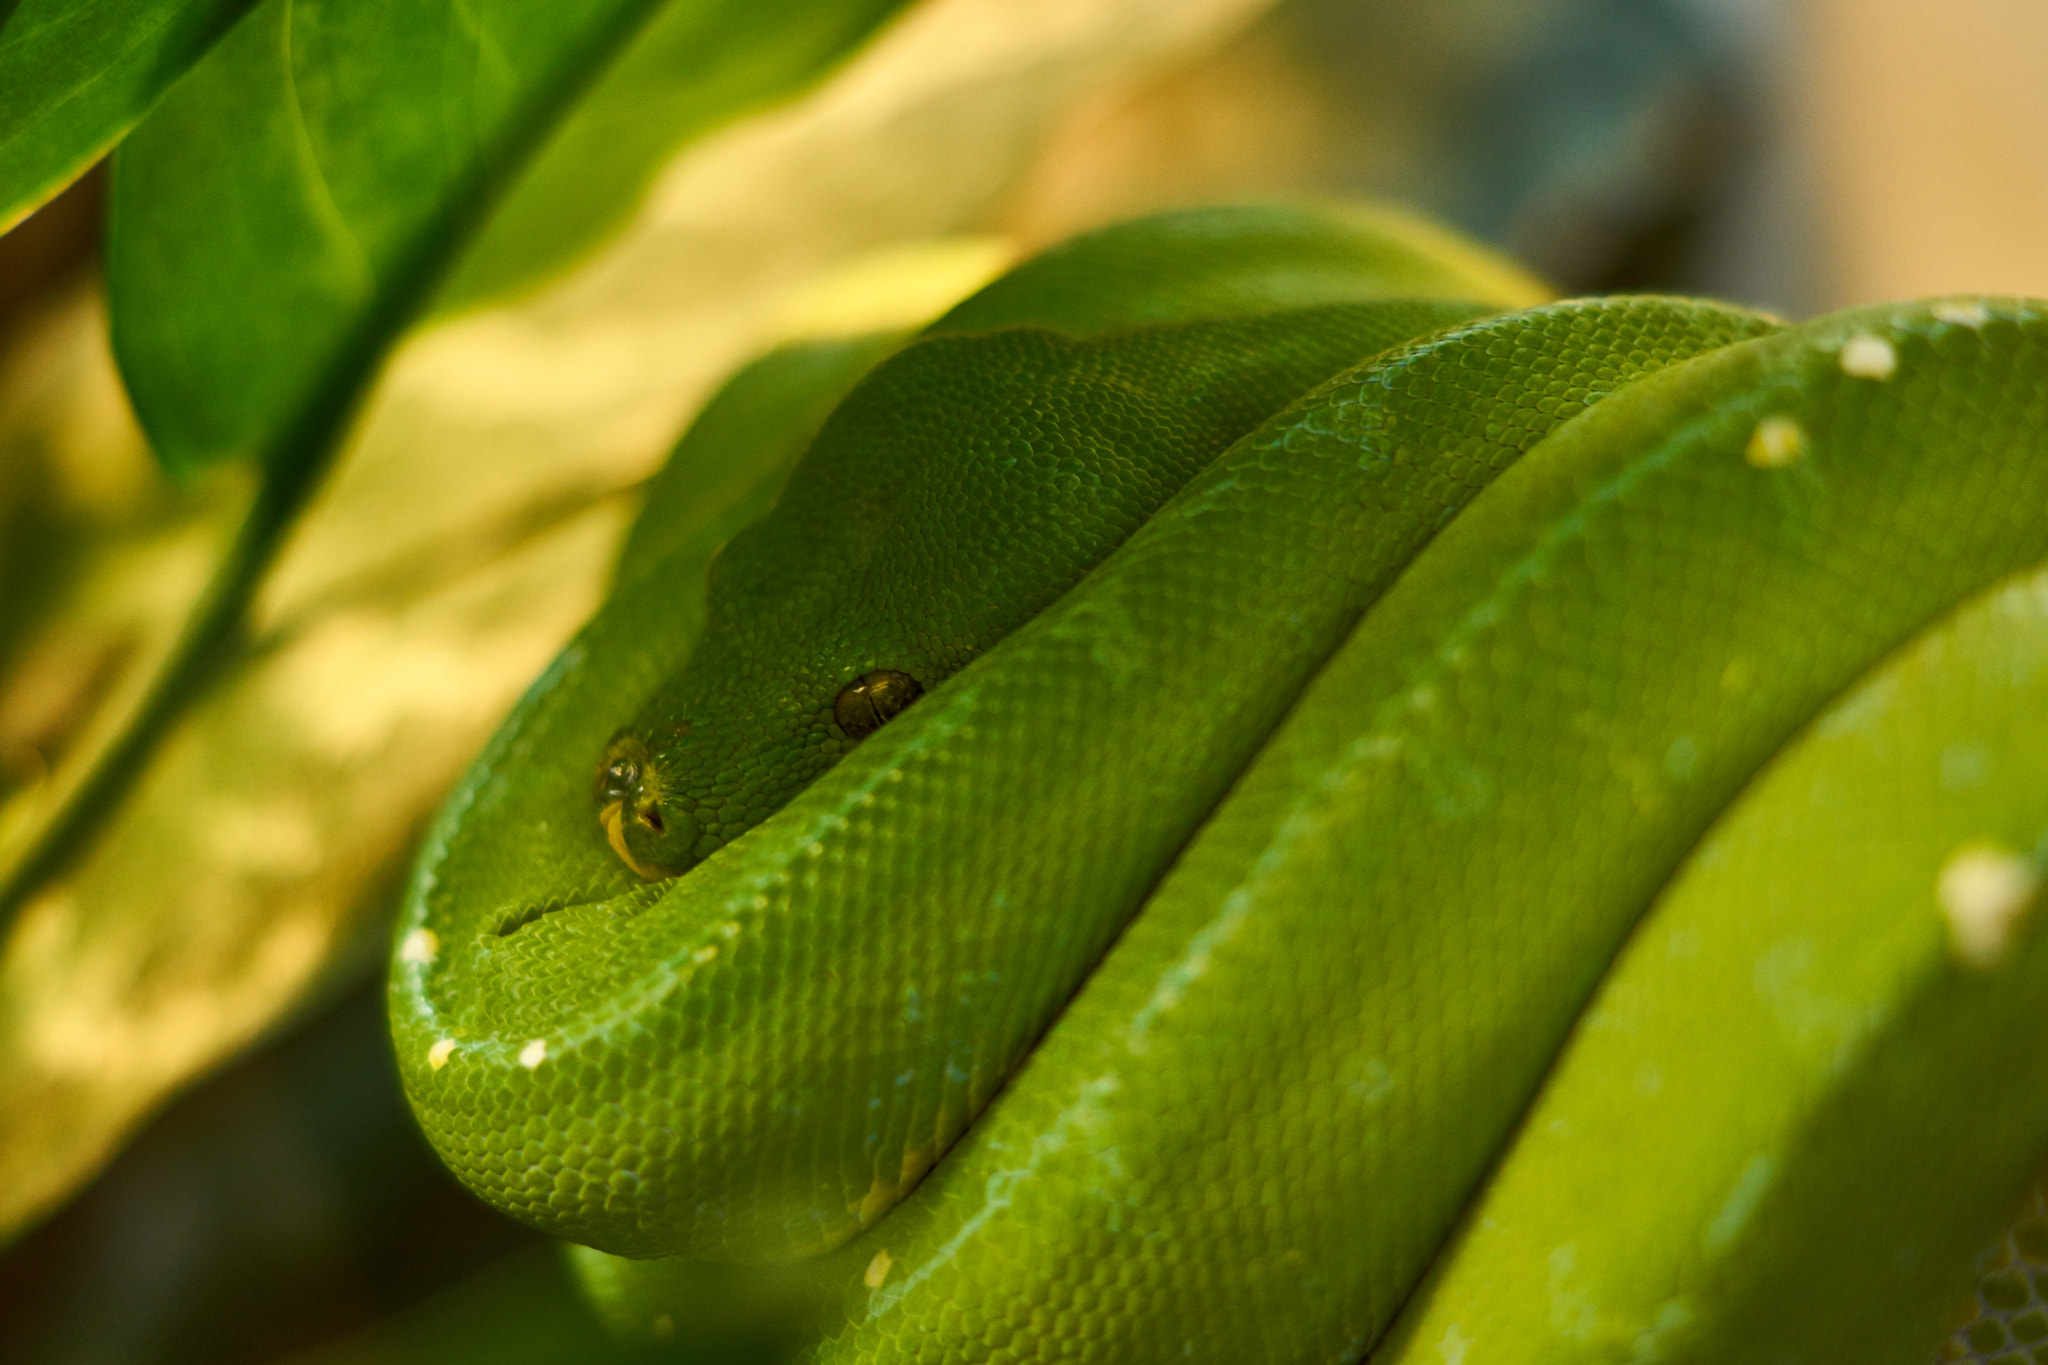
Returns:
point(649, 836)
point(643, 836)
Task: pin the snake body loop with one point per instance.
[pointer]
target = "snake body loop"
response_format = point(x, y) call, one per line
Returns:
point(1325, 691)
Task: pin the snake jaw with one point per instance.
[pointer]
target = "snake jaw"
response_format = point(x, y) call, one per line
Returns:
point(613, 817)
point(628, 784)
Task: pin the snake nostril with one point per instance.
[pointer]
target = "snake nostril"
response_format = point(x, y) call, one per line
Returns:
point(653, 845)
point(623, 771)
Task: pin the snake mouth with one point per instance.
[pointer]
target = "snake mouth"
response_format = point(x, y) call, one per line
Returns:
point(613, 817)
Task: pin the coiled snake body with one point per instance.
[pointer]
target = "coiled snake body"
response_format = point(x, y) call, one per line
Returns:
point(1254, 798)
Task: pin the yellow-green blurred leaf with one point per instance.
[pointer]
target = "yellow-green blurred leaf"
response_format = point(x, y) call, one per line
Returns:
point(99, 563)
point(242, 868)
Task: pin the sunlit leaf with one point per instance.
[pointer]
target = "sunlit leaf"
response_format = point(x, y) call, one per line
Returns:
point(99, 560)
point(271, 821)
point(279, 217)
point(696, 65)
point(75, 77)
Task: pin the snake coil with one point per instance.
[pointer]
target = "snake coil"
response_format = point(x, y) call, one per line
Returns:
point(1433, 823)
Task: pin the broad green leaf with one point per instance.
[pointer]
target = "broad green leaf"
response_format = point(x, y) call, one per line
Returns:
point(699, 63)
point(281, 215)
point(75, 77)
point(290, 207)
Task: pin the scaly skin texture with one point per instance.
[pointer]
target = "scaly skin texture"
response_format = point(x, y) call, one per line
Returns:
point(1807, 904)
point(1038, 452)
point(1315, 813)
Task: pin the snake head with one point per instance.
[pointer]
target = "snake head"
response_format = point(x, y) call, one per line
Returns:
point(648, 829)
point(670, 793)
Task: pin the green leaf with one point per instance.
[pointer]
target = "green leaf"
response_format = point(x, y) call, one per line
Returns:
point(700, 63)
point(276, 221)
point(75, 77)
point(291, 206)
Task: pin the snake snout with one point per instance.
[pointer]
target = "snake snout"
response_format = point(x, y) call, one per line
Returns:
point(653, 835)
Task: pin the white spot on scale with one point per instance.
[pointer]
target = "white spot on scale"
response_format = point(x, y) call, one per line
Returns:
point(534, 1053)
point(438, 1054)
point(1777, 441)
point(705, 954)
point(1962, 312)
point(419, 946)
point(878, 1270)
point(1985, 892)
point(1454, 1345)
point(1868, 357)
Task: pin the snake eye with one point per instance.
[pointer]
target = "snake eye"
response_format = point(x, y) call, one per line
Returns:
point(864, 705)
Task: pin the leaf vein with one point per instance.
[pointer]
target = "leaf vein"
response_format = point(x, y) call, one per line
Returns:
point(324, 203)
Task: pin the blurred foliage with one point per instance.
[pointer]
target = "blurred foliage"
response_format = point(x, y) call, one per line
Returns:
point(74, 78)
point(277, 1203)
point(228, 703)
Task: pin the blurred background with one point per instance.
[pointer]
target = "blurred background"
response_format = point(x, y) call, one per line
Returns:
point(203, 1152)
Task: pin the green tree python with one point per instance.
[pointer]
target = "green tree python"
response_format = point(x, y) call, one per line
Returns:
point(1258, 793)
